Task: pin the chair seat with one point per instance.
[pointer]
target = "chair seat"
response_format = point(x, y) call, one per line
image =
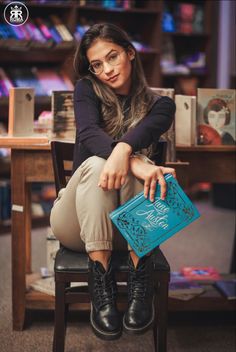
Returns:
point(71, 261)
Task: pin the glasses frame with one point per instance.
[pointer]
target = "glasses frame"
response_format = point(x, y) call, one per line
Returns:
point(97, 74)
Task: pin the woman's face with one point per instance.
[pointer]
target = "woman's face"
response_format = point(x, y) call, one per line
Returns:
point(216, 119)
point(115, 64)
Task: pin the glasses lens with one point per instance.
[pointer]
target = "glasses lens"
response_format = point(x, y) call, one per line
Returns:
point(114, 58)
point(96, 68)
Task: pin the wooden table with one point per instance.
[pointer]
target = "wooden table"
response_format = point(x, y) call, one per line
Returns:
point(29, 163)
point(32, 163)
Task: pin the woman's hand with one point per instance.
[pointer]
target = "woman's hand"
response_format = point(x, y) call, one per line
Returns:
point(116, 167)
point(151, 174)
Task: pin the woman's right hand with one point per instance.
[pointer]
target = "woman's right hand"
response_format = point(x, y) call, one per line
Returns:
point(151, 174)
point(116, 168)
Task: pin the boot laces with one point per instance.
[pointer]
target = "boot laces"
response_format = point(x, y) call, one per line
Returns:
point(138, 283)
point(105, 290)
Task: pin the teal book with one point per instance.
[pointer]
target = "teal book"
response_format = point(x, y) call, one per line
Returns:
point(145, 224)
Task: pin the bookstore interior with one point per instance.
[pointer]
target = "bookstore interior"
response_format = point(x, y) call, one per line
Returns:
point(187, 50)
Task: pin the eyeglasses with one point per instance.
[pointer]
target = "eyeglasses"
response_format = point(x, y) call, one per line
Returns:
point(112, 59)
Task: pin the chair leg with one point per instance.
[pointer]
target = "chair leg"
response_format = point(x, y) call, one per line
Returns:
point(162, 312)
point(155, 325)
point(60, 318)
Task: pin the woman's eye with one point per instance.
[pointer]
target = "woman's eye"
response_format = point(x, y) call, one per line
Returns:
point(97, 66)
point(113, 57)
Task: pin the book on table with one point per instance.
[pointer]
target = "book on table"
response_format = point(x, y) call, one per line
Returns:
point(201, 273)
point(145, 224)
point(227, 288)
point(180, 286)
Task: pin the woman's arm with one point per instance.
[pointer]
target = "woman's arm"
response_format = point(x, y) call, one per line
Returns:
point(98, 142)
point(152, 126)
point(88, 120)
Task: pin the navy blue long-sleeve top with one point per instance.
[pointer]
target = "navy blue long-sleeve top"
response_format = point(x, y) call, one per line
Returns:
point(92, 140)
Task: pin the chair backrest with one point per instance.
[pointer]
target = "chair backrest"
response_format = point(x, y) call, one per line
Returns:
point(62, 158)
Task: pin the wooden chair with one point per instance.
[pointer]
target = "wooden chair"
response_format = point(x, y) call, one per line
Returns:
point(73, 266)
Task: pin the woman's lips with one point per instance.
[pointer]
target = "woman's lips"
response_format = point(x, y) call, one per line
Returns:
point(113, 79)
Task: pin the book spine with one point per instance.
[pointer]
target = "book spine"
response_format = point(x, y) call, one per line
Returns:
point(61, 28)
point(44, 29)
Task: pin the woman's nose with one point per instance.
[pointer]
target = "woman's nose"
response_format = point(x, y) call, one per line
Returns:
point(107, 68)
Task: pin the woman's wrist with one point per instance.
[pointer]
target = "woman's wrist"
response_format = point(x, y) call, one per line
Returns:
point(124, 147)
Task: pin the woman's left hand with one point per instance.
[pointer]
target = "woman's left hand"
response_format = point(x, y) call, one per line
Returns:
point(116, 167)
point(151, 174)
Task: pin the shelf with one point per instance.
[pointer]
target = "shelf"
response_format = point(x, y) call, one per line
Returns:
point(149, 11)
point(36, 55)
point(210, 301)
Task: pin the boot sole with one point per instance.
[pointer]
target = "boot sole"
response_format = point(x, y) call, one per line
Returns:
point(139, 331)
point(104, 335)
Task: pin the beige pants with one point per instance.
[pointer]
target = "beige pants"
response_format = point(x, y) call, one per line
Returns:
point(80, 215)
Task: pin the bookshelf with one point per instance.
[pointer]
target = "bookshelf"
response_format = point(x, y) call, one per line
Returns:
point(142, 20)
point(191, 41)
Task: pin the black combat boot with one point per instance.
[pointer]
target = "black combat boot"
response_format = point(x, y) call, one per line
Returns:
point(104, 317)
point(140, 313)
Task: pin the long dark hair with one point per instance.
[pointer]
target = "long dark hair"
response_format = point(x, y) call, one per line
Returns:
point(142, 97)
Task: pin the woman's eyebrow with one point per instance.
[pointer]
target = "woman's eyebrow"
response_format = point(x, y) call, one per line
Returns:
point(95, 60)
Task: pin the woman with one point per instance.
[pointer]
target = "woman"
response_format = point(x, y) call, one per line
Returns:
point(117, 116)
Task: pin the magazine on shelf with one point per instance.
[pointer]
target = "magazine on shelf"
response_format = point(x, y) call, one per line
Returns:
point(216, 116)
point(145, 224)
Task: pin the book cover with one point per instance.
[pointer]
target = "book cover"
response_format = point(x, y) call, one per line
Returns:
point(185, 120)
point(63, 115)
point(145, 224)
point(169, 135)
point(227, 287)
point(216, 116)
point(206, 273)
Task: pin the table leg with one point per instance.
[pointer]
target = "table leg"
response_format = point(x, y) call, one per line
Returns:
point(28, 220)
point(19, 205)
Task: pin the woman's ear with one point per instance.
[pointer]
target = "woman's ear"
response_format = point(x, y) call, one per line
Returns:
point(131, 53)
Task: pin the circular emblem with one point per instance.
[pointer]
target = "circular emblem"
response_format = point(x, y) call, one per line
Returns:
point(16, 13)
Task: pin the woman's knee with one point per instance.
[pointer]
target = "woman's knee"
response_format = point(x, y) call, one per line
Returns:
point(93, 165)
